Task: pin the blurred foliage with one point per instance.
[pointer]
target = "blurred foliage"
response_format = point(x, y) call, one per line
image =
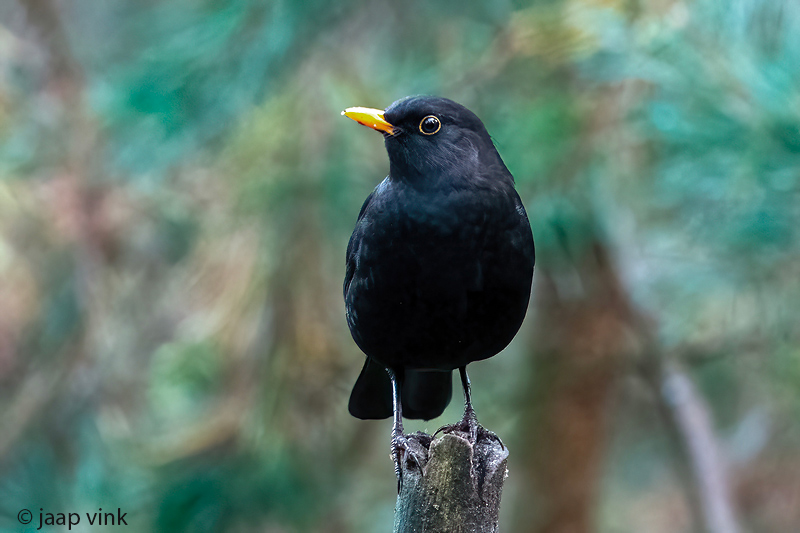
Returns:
point(172, 340)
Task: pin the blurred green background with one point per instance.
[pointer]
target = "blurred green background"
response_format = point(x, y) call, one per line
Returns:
point(177, 189)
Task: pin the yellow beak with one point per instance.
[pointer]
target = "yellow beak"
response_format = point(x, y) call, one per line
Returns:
point(371, 118)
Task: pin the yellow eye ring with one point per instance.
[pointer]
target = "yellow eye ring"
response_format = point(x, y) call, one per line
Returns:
point(429, 125)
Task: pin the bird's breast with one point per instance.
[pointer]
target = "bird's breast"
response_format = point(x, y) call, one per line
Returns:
point(437, 274)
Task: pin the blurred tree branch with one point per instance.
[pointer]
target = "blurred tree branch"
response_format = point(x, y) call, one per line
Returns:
point(581, 336)
point(687, 415)
point(587, 334)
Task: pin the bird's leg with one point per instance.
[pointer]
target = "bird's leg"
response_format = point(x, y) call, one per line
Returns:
point(470, 419)
point(397, 426)
point(400, 443)
point(469, 422)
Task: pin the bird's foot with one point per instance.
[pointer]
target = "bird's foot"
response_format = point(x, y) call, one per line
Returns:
point(408, 451)
point(469, 426)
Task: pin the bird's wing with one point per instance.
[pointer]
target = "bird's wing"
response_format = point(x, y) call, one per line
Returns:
point(352, 246)
point(523, 236)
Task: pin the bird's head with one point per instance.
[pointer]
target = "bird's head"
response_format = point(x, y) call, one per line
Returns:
point(430, 139)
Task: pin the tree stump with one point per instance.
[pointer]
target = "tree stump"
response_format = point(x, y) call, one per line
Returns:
point(456, 487)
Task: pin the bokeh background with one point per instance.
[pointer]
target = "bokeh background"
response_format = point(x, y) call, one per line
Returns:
point(177, 189)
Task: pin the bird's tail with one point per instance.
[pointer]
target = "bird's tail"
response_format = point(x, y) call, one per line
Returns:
point(424, 393)
point(371, 398)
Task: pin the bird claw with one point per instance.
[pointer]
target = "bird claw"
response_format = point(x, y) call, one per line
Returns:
point(469, 425)
point(485, 434)
point(404, 452)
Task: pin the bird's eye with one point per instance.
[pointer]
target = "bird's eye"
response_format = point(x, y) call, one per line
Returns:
point(429, 125)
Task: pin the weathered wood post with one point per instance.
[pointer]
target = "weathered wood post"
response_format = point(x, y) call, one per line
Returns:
point(458, 487)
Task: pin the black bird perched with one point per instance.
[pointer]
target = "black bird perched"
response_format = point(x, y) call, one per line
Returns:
point(439, 266)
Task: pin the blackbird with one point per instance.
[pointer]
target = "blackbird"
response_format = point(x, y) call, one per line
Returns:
point(439, 266)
